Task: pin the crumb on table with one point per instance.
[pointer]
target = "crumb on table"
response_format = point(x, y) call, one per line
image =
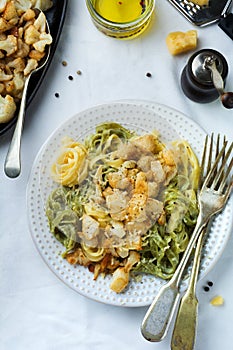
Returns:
point(217, 300)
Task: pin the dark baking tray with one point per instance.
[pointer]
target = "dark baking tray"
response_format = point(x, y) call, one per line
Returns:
point(55, 17)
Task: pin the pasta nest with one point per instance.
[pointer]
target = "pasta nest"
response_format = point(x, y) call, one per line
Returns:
point(70, 167)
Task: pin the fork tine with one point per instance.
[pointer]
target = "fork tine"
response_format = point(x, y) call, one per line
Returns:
point(210, 174)
point(216, 153)
point(230, 187)
point(210, 153)
point(224, 179)
point(203, 162)
point(217, 145)
point(216, 173)
point(223, 156)
point(206, 157)
point(221, 177)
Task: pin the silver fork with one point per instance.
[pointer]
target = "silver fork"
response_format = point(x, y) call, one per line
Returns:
point(215, 190)
point(184, 332)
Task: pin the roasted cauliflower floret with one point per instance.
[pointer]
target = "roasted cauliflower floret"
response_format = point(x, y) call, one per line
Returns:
point(43, 5)
point(35, 34)
point(20, 29)
point(5, 76)
point(3, 36)
point(10, 13)
point(17, 65)
point(15, 86)
point(40, 23)
point(2, 88)
point(45, 39)
point(28, 16)
point(22, 5)
point(2, 5)
point(31, 35)
point(4, 25)
point(36, 55)
point(32, 64)
point(7, 108)
point(9, 45)
point(23, 49)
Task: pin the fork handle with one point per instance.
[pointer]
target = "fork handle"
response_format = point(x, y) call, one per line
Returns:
point(12, 165)
point(184, 331)
point(158, 317)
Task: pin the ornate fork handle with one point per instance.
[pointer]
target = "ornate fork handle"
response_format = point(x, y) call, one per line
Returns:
point(159, 315)
point(184, 331)
point(212, 197)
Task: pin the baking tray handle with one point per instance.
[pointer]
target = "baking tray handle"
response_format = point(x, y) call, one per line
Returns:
point(226, 24)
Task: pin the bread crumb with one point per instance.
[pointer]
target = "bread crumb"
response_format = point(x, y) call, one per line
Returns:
point(217, 301)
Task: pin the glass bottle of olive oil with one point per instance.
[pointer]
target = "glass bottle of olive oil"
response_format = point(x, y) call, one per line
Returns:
point(122, 19)
point(120, 11)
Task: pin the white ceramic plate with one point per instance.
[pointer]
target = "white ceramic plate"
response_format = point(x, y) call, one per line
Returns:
point(140, 116)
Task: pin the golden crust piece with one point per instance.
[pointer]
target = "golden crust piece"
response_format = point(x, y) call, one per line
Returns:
point(180, 42)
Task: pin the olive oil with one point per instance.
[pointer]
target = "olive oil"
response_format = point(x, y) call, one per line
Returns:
point(121, 19)
point(120, 11)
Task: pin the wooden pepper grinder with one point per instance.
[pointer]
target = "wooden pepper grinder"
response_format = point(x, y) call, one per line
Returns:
point(203, 78)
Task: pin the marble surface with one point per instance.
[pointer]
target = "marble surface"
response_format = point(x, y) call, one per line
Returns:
point(37, 309)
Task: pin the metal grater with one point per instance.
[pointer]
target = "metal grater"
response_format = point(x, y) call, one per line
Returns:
point(215, 11)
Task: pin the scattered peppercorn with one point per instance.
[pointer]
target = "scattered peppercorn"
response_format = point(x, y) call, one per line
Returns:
point(64, 63)
point(149, 75)
point(210, 284)
point(79, 72)
point(57, 94)
point(70, 77)
point(206, 289)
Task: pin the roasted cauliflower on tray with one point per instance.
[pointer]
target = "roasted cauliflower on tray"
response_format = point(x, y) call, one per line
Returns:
point(23, 40)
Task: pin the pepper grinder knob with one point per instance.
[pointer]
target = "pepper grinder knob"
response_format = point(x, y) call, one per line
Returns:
point(226, 97)
point(227, 100)
point(204, 77)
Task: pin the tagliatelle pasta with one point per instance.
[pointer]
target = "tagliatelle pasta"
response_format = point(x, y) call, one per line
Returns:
point(94, 254)
point(69, 168)
point(127, 203)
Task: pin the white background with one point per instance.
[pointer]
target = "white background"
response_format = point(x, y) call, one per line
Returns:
point(37, 310)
